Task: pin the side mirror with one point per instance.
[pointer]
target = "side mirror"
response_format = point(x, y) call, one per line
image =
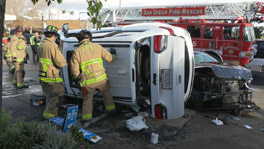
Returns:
point(65, 28)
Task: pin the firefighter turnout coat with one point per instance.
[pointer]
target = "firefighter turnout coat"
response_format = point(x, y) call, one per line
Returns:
point(51, 60)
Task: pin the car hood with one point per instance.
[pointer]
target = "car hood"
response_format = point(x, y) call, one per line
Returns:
point(227, 71)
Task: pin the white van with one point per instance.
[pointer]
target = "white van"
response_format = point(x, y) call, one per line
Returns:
point(154, 65)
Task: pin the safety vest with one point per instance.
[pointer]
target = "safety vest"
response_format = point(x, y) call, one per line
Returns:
point(95, 76)
point(43, 74)
point(32, 42)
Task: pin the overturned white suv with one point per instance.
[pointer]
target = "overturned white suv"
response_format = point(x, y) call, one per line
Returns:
point(154, 65)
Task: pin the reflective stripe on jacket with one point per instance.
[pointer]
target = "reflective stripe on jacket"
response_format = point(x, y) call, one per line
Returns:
point(7, 50)
point(87, 62)
point(32, 42)
point(96, 76)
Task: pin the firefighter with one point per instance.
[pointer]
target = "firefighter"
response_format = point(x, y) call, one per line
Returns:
point(8, 56)
point(50, 62)
point(18, 49)
point(87, 65)
point(35, 42)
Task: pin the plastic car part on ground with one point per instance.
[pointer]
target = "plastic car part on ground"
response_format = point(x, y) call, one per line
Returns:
point(154, 138)
point(262, 129)
point(248, 127)
point(217, 122)
point(136, 123)
point(143, 114)
point(234, 118)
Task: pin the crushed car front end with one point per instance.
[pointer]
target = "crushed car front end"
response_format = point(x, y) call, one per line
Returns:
point(220, 86)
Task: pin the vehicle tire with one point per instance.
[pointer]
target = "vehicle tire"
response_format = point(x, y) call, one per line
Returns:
point(195, 101)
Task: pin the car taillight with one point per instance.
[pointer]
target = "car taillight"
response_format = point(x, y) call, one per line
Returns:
point(169, 29)
point(160, 43)
point(160, 112)
point(157, 40)
point(244, 54)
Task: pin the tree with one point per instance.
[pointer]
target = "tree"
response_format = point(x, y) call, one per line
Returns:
point(2, 18)
point(26, 8)
point(48, 1)
point(94, 7)
point(71, 13)
point(258, 31)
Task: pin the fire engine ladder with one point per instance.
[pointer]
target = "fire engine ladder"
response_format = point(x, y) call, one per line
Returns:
point(226, 11)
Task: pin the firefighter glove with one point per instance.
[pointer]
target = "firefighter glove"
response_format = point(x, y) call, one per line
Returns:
point(113, 51)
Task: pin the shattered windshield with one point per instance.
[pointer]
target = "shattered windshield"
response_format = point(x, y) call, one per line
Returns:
point(201, 57)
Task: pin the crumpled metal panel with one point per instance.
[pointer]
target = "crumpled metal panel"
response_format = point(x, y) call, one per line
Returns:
point(227, 71)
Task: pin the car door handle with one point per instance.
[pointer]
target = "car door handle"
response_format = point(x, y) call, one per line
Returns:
point(122, 72)
point(154, 79)
point(179, 79)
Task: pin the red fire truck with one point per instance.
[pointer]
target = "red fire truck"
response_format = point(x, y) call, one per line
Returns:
point(233, 41)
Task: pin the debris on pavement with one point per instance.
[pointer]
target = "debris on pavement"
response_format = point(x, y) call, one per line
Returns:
point(262, 129)
point(98, 118)
point(35, 103)
point(217, 122)
point(135, 108)
point(37, 100)
point(143, 114)
point(154, 138)
point(235, 118)
point(136, 123)
point(248, 127)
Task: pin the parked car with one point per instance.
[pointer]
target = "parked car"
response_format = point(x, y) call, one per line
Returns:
point(260, 49)
point(219, 85)
point(154, 66)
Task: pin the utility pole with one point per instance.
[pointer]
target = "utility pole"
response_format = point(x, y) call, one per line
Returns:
point(119, 4)
point(58, 11)
point(49, 13)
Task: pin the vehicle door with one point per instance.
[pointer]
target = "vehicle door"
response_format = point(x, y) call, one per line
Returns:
point(167, 76)
point(119, 71)
point(231, 44)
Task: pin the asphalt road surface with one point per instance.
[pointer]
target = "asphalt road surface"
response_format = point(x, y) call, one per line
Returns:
point(194, 130)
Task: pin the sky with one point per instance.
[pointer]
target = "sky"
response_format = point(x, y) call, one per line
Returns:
point(81, 5)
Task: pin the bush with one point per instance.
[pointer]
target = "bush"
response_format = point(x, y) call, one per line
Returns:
point(55, 139)
point(5, 121)
point(24, 135)
point(21, 135)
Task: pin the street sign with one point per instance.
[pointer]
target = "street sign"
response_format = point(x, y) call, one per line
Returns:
point(70, 121)
point(192, 11)
point(90, 136)
point(57, 120)
point(70, 118)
